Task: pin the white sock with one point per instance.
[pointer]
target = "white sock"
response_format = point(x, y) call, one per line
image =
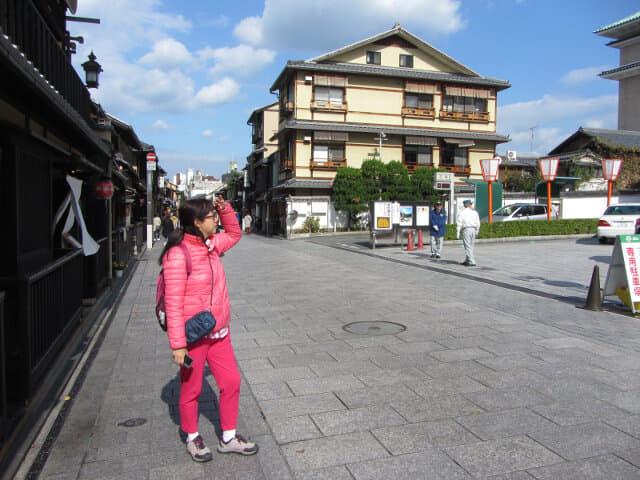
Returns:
point(191, 436)
point(228, 435)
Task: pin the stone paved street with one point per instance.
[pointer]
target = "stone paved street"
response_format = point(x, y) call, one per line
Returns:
point(497, 375)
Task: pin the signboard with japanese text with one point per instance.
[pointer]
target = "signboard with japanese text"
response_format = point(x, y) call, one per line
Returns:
point(624, 270)
point(382, 216)
point(422, 216)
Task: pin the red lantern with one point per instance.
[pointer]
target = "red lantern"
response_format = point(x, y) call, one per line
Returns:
point(103, 189)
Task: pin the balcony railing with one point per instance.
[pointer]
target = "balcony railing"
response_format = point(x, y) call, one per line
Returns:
point(329, 107)
point(285, 163)
point(465, 116)
point(412, 166)
point(418, 112)
point(23, 24)
point(457, 169)
point(332, 164)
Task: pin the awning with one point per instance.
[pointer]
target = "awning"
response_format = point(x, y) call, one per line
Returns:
point(467, 92)
point(329, 81)
point(415, 87)
point(460, 142)
point(413, 140)
point(331, 136)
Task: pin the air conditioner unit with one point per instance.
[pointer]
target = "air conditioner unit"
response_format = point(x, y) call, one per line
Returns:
point(307, 139)
point(511, 155)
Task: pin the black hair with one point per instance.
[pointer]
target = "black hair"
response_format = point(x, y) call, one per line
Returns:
point(197, 208)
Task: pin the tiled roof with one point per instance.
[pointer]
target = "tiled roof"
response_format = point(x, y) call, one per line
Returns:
point(390, 72)
point(624, 138)
point(303, 183)
point(631, 18)
point(421, 132)
point(615, 72)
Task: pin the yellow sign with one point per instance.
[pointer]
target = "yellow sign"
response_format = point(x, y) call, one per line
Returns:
point(383, 222)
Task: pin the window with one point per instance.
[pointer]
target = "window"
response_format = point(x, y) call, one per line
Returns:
point(373, 58)
point(324, 153)
point(329, 96)
point(464, 104)
point(418, 156)
point(454, 156)
point(414, 100)
point(406, 61)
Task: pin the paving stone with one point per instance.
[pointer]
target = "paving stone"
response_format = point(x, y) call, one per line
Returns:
point(376, 396)
point(333, 473)
point(318, 385)
point(629, 424)
point(446, 386)
point(606, 467)
point(392, 377)
point(430, 462)
point(502, 456)
point(416, 437)
point(331, 451)
point(583, 410)
point(267, 375)
point(356, 420)
point(629, 401)
point(505, 423)
point(436, 408)
point(584, 440)
point(512, 476)
point(505, 399)
point(296, 406)
point(293, 429)
point(510, 361)
point(460, 354)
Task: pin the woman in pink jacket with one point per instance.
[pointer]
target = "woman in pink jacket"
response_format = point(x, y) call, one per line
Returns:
point(205, 288)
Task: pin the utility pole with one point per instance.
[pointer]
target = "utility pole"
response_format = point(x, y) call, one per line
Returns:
point(531, 129)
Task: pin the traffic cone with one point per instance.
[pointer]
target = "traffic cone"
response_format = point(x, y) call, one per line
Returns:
point(410, 242)
point(594, 298)
point(420, 244)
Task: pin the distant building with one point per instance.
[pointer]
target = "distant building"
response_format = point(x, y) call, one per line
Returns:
point(626, 35)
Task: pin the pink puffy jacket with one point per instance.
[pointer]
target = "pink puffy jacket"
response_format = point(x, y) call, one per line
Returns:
point(206, 287)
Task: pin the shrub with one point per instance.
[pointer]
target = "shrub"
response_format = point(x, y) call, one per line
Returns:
point(311, 225)
point(529, 228)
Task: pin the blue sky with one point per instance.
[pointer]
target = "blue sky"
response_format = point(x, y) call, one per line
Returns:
point(187, 74)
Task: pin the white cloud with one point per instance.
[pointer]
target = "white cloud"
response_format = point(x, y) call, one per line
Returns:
point(309, 24)
point(220, 92)
point(167, 53)
point(583, 75)
point(243, 60)
point(159, 125)
point(207, 133)
point(225, 139)
point(551, 108)
point(553, 118)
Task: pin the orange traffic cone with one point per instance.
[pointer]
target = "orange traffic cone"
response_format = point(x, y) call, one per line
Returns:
point(420, 244)
point(410, 242)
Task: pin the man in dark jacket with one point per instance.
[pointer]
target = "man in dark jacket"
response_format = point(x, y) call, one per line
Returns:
point(438, 223)
point(167, 226)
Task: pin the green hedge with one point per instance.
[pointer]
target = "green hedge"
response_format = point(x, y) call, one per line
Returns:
point(530, 228)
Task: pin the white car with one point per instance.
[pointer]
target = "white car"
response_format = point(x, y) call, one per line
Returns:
point(523, 211)
point(618, 220)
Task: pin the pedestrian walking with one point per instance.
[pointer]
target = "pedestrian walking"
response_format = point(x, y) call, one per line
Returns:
point(246, 222)
point(186, 295)
point(438, 223)
point(157, 225)
point(468, 222)
point(167, 226)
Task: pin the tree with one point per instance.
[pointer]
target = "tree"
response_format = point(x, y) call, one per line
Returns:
point(348, 192)
point(422, 181)
point(373, 173)
point(521, 181)
point(396, 184)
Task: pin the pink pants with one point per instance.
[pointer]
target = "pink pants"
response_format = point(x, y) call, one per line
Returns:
point(222, 362)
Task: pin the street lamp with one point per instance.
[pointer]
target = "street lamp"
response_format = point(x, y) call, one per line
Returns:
point(490, 174)
point(92, 70)
point(610, 171)
point(382, 137)
point(549, 169)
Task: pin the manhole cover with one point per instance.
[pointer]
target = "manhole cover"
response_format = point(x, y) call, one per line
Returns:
point(133, 422)
point(374, 328)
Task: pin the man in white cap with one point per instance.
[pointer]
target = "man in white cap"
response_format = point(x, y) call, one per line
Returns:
point(468, 222)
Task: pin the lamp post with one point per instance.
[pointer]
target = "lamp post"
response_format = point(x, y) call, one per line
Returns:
point(490, 174)
point(382, 137)
point(610, 171)
point(92, 71)
point(549, 169)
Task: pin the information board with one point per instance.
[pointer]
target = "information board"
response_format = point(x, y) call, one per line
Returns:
point(382, 212)
point(624, 270)
point(422, 216)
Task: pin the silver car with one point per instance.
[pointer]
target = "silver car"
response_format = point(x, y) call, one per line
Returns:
point(523, 211)
point(618, 220)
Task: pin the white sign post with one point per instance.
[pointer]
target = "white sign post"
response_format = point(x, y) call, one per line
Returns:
point(623, 277)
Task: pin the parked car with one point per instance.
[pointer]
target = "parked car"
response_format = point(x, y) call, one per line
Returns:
point(638, 226)
point(522, 211)
point(621, 219)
